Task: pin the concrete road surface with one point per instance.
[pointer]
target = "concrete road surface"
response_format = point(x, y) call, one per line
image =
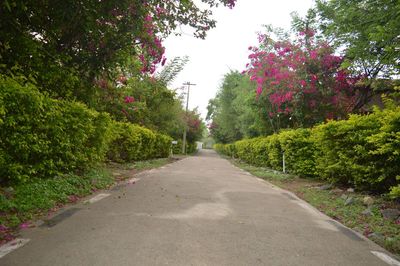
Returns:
point(198, 211)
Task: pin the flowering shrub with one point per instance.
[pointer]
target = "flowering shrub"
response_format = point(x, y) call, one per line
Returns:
point(300, 82)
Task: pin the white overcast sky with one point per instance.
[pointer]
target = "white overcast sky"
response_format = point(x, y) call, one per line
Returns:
point(225, 46)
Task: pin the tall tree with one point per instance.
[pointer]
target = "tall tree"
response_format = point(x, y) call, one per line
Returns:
point(367, 31)
point(299, 82)
point(232, 114)
point(66, 45)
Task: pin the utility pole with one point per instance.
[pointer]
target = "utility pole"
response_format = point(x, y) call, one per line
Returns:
point(188, 84)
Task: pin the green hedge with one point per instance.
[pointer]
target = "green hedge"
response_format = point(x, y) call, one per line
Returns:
point(134, 143)
point(191, 147)
point(42, 137)
point(363, 151)
point(299, 151)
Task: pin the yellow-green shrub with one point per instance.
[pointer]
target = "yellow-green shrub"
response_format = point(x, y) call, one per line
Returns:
point(274, 152)
point(42, 137)
point(162, 146)
point(191, 147)
point(299, 151)
point(220, 148)
point(134, 143)
point(363, 151)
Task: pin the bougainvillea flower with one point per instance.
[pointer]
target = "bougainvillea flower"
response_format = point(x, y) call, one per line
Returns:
point(129, 99)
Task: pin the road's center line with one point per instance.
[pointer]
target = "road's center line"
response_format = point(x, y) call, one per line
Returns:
point(386, 258)
point(12, 245)
point(97, 198)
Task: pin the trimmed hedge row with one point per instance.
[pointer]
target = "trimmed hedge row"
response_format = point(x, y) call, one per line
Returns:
point(191, 147)
point(43, 137)
point(363, 151)
point(133, 143)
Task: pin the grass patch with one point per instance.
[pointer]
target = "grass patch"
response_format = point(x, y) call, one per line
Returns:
point(265, 173)
point(27, 201)
point(382, 231)
point(149, 164)
point(332, 202)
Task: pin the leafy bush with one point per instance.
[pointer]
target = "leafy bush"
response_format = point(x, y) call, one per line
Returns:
point(43, 137)
point(220, 148)
point(162, 146)
point(275, 157)
point(395, 191)
point(363, 151)
point(134, 143)
point(42, 194)
point(191, 147)
point(299, 151)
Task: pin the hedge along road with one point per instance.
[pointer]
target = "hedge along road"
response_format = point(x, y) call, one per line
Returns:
point(198, 211)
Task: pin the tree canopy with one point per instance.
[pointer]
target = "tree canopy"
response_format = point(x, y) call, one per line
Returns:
point(63, 44)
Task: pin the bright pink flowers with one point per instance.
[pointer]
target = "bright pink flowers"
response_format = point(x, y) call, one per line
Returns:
point(300, 77)
point(129, 99)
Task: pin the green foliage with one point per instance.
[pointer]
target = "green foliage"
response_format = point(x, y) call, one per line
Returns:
point(42, 137)
point(148, 164)
point(42, 194)
point(171, 70)
point(191, 147)
point(395, 191)
point(162, 146)
point(262, 151)
point(368, 30)
point(195, 126)
point(232, 112)
point(67, 44)
point(135, 143)
point(154, 106)
point(362, 151)
point(299, 151)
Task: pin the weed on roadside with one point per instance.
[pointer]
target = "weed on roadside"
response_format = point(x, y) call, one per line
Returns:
point(27, 201)
point(149, 164)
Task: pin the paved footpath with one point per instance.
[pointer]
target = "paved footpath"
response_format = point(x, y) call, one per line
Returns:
point(198, 211)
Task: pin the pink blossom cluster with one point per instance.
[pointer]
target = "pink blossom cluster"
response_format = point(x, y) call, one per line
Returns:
point(231, 3)
point(152, 49)
point(129, 99)
point(299, 75)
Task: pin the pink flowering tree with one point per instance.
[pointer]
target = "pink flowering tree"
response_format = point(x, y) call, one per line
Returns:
point(74, 47)
point(300, 82)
